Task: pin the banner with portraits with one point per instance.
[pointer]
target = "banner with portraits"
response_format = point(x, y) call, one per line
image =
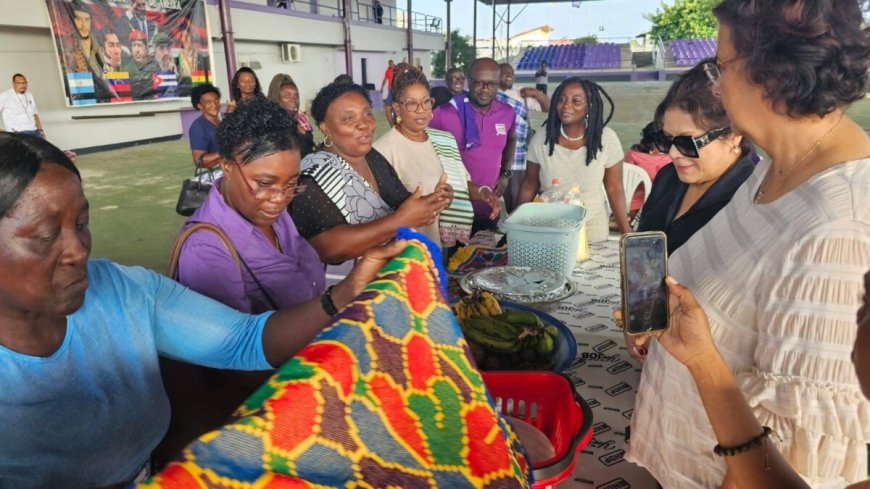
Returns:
point(121, 51)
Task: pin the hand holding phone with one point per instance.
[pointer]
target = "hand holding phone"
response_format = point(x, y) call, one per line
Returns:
point(644, 266)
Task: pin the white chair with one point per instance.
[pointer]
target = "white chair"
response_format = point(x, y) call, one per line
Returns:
point(632, 177)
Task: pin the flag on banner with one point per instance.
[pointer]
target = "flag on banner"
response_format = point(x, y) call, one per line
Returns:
point(81, 88)
point(119, 83)
point(165, 83)
point(200, 76)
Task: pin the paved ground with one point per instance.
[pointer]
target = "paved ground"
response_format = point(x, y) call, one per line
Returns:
point(133, 191)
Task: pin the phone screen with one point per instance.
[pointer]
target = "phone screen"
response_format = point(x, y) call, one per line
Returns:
point(645, 295)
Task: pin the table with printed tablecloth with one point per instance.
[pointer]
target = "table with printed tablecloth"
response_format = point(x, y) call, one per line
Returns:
point(603, 373)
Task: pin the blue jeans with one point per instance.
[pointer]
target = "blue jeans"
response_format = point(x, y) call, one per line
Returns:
point(36, 134)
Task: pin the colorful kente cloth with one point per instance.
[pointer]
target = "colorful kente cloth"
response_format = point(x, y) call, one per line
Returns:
point(386, 396)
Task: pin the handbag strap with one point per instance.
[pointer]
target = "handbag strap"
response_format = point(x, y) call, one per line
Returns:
point(172, 269)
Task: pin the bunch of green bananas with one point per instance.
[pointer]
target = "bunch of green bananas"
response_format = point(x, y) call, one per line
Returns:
point(479, 304)
point(510, 340)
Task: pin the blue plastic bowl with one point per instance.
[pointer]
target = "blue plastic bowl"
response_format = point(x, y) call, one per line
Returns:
point(566, 345)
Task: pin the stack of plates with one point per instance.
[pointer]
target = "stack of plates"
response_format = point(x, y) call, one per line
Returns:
point(521, 285)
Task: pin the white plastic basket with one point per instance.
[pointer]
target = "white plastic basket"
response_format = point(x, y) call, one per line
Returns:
point(544, 235)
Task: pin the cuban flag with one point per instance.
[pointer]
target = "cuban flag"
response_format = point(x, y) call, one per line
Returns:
point(119, 83)
point(81, 88)
point(165, 83)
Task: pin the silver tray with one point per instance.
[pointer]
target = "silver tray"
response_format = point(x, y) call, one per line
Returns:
point(547, 295)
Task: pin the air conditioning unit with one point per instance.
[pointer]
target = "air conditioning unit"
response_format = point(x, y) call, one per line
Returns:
point(291, 53)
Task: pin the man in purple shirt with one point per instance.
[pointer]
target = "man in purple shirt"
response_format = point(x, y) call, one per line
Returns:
point(484, 131)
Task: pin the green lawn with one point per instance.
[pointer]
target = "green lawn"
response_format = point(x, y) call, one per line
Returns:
point(133, 191)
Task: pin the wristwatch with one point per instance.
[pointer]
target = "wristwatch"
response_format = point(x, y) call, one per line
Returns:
point(506, 173)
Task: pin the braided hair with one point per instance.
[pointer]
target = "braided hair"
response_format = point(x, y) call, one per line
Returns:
point(407, 79)
point(595, 120)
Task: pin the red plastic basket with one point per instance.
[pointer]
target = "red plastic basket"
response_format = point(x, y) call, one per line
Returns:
point(547, 401)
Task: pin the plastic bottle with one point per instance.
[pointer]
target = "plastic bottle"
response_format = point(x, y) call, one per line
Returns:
point(574, 197)
point(552, 194)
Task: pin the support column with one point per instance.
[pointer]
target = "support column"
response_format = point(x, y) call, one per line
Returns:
point(227, 35)
point(409, 18)
point(348, 50)
point(507, 37)
point(492, 41)
point(474, 31)
point(448, 48)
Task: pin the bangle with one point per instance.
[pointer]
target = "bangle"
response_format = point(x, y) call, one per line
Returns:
point(745, 446)
point(326, 302)
point(480, 189)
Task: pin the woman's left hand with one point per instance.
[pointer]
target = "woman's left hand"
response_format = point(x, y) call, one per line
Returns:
point(688, 336)
point(365, 270)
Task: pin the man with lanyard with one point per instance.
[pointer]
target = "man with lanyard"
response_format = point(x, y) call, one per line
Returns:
point(485, 132)
point(19, 109)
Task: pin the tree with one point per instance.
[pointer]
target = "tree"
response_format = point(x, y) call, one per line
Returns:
point(590, 39)
point(461, 55)
point(685, 19)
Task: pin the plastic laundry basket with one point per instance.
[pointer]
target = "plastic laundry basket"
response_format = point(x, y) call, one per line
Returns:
point(544, 235)
point(547, 401)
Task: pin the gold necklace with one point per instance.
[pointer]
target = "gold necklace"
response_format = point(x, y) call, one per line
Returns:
point(759, 194)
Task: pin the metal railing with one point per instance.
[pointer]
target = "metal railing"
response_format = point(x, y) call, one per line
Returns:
point(375, 13)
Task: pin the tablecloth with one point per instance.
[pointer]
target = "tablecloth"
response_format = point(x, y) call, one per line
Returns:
point(603, 373)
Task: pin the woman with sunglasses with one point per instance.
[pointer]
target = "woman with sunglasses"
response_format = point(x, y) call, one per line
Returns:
point(709, 161)
point(577, 149)
point(778, 270)
point(421, 155)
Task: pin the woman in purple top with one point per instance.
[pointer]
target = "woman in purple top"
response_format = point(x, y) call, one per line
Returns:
point(259, 155)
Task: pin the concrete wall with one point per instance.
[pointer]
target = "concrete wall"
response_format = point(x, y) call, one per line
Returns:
point(26, 46)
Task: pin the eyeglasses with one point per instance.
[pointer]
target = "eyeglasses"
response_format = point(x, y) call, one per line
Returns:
point(483, 85)
point(413, 105)
point(263, 192)
point(714, 70)
point(687, 145)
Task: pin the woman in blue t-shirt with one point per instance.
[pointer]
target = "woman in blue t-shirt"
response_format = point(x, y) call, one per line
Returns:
point(82, 400)
point(203, 132)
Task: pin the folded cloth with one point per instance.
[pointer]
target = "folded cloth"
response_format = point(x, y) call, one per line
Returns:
point(466, 117)
point(385, 396)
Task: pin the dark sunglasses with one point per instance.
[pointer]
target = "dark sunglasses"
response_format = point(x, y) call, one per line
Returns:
point(687, 145)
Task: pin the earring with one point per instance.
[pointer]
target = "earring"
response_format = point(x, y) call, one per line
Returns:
point(398, 119)
point(586, 119)
point(327, 142)
point(735, 149)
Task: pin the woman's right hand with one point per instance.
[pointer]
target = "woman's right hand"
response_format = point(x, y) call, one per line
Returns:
point(421, 210)
point(688, 337)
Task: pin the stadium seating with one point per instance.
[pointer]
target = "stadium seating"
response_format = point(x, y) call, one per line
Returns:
point(688, 52)
point(572, 56)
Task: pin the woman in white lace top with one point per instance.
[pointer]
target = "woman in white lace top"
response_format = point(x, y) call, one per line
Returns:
point(778, 270)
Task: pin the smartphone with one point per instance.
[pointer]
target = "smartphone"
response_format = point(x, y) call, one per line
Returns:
point(644, 265)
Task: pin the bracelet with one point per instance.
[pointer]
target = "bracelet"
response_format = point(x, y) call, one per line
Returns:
point(326, 302)
point(480, 189)
point(745, 446)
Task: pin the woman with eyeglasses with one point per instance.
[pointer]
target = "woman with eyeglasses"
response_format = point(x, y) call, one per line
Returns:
point(577, 149)
point(709, 161)
point(421, 155)
point(276, 267)
point(778, 270)
point(354, 199)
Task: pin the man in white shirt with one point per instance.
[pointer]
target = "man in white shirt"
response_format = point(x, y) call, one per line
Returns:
point(19, 109)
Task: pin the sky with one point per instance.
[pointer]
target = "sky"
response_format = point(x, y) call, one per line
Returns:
point(604, 18)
